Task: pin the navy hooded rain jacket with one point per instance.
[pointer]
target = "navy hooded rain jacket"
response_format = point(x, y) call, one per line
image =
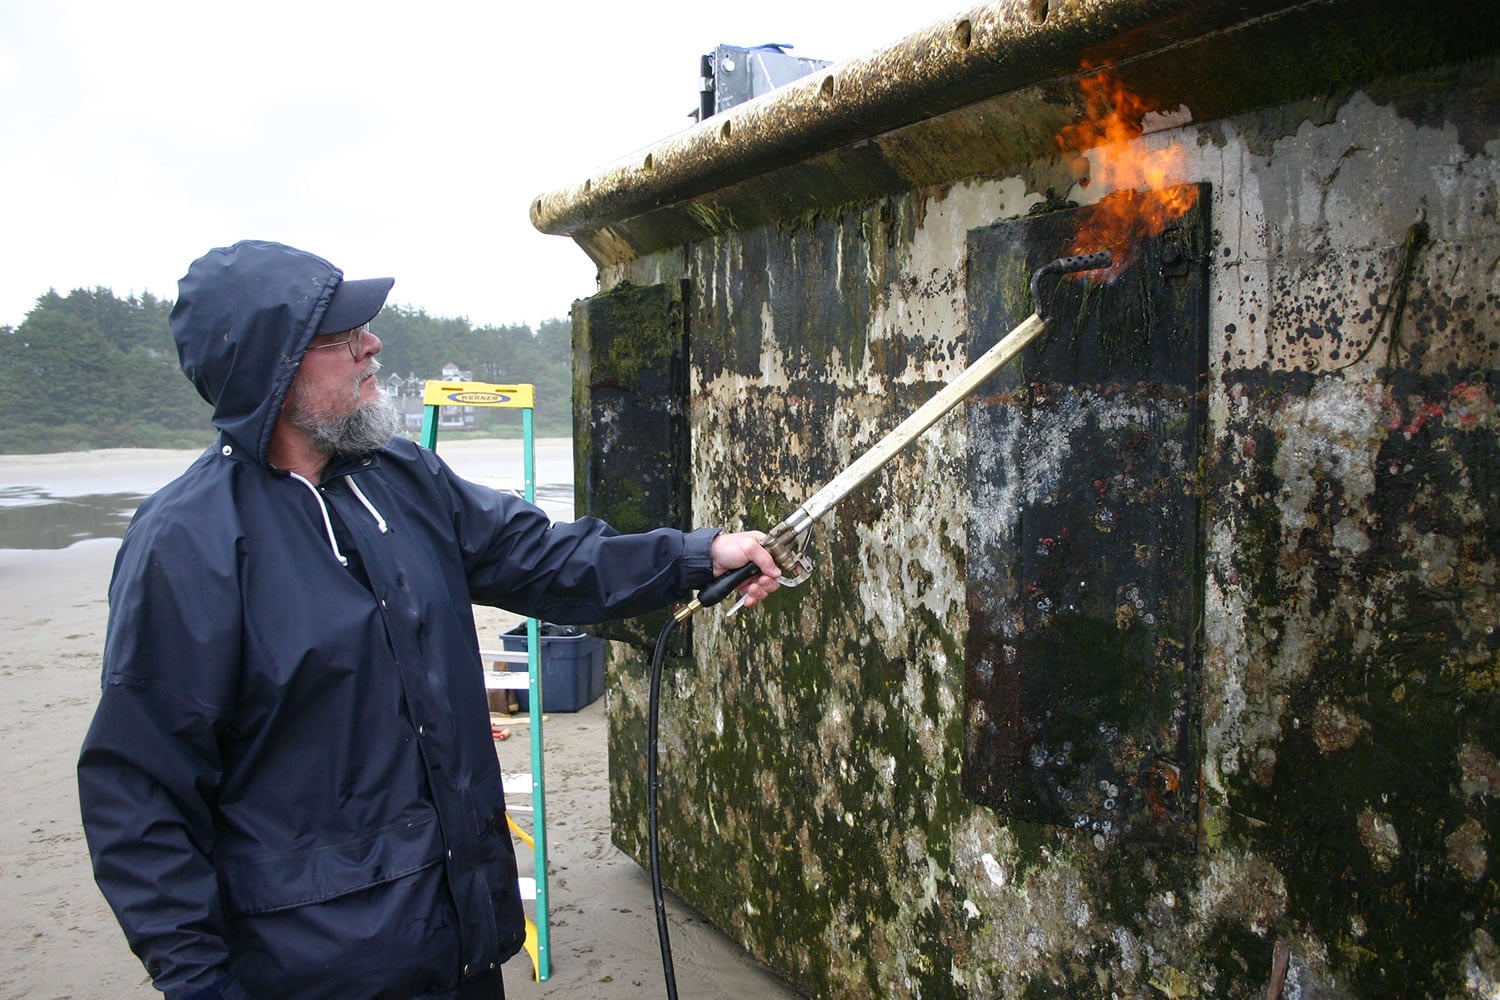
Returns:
point(289, 787)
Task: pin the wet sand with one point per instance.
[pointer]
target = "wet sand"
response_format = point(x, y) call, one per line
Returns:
point(58, 938)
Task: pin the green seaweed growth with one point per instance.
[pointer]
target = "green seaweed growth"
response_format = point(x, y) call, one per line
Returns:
point(1372, 818)
point(625, 507)
point(854, 834)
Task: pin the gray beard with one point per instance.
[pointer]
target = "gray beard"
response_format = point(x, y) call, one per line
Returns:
point(363, 430)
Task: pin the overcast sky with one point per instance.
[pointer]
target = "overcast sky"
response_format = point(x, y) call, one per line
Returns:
point(404, 139)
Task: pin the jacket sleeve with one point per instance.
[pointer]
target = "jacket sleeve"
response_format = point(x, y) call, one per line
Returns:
point(574, 573)
point(150, 763)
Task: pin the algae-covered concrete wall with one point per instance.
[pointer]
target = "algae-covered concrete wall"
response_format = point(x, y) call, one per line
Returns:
point(1346, 679)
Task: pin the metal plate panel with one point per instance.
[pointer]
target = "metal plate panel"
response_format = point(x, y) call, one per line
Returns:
point(1084, 571)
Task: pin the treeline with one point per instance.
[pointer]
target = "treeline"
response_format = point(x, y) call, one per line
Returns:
point(92, 370)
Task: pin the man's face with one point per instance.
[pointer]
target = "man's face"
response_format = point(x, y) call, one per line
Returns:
point(335, 398)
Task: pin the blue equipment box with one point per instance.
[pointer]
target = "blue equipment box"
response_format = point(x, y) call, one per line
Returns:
point(572, 667)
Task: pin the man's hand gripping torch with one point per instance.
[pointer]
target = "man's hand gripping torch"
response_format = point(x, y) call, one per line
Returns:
point(784, 540)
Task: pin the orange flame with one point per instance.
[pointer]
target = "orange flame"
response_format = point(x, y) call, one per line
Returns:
point(1140, 203)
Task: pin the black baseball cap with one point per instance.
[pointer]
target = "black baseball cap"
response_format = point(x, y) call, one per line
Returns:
point(355, 302)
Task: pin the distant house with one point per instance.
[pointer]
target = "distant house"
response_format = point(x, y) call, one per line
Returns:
point(403, 386)
point(408, 391)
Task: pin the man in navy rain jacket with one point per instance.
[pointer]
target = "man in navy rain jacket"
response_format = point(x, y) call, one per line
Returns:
point(289, 787)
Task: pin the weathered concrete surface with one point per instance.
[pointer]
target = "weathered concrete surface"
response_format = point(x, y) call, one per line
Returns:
point(1350, 670)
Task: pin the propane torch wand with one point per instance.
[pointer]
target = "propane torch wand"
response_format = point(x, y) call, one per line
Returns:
point(781, 539)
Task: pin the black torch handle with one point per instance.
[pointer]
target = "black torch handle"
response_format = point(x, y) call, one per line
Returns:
point(723, 586)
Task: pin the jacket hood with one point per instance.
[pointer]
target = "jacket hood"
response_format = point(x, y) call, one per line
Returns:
point(243, 319)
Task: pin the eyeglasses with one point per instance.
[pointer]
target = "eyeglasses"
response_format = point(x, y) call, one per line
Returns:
point(354, 341)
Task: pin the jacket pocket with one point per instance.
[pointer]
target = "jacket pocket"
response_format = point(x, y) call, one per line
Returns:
point(393, 941)
point(311, 875)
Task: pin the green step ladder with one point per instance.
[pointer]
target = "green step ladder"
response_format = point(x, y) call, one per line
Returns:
point(436, 395)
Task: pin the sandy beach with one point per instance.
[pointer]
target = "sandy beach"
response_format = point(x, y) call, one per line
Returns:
point(58, 938)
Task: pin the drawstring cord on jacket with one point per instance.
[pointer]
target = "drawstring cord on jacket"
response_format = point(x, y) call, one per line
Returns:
point(379, 521)
point(327, 521)
point(333, 544)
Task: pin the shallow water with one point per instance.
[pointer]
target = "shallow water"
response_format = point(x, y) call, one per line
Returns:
point(56, 504)
point(32, 518)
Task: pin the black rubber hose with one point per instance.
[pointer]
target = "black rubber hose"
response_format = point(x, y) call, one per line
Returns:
point(716, 591)
point(653, 831)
